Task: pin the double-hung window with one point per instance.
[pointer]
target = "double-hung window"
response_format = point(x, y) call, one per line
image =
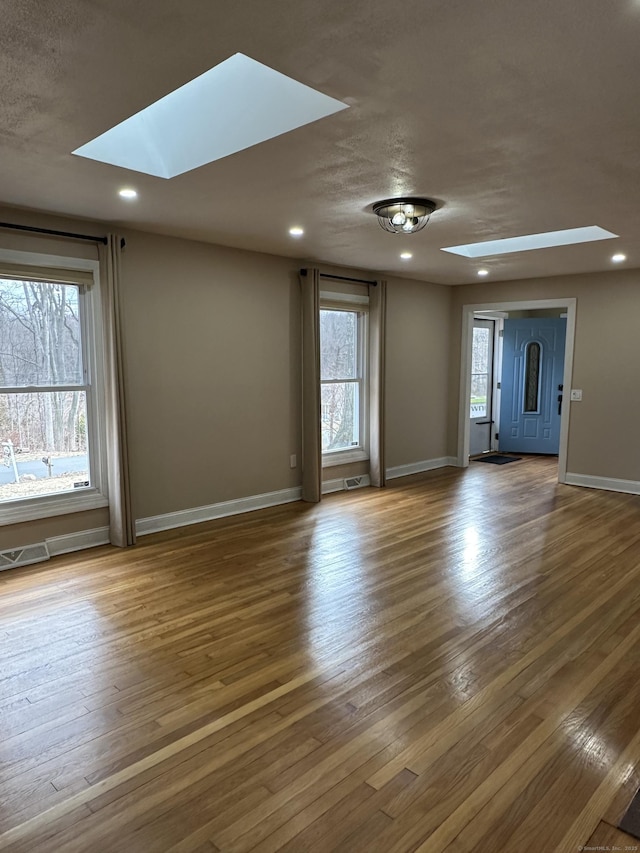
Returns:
point(343, 381)
point(49, 436)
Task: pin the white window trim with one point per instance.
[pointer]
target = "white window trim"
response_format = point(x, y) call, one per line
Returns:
point(360, 305)
point(96, 497)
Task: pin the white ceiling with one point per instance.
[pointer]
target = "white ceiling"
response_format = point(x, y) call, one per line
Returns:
point(516, 117)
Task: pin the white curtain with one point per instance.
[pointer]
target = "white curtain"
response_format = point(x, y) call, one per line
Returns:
point(377, 333)
point(121, 521)
point(311, 435)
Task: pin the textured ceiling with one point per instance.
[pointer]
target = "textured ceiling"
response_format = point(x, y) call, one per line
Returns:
point(517, 117)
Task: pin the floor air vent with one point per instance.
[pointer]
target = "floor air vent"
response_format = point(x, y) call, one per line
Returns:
point(24, 556)
point(353, 482)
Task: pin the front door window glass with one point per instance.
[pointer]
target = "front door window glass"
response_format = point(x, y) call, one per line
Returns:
point(532, 378)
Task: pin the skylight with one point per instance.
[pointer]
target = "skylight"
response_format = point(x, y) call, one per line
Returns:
point(531, 241)
point(234, 105)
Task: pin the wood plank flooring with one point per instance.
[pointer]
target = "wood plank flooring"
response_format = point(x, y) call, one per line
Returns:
point(452, 663)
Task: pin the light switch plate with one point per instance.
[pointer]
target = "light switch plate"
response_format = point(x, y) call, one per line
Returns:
point(576, 394)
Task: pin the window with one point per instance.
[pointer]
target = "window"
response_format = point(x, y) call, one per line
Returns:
point(48, 400)
point(532, 377)
point(342, 381)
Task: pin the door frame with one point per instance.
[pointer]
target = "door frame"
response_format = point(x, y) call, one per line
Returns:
point(468, 313)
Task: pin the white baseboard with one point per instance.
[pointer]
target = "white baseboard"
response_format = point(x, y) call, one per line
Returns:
point(184, 517)
point(419, 467)
point(329, 486)
point(77, 541)
point(100, 535)
point(629, 487)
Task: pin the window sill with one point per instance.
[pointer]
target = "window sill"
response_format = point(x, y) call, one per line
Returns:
point(343, 457)
point(15, 512)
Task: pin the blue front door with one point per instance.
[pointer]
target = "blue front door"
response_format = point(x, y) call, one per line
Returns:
point(532, 371)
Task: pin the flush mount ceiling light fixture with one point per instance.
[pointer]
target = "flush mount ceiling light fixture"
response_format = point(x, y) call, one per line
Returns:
point(404, 215)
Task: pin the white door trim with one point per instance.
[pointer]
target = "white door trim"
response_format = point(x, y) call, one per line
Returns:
point(468, 312)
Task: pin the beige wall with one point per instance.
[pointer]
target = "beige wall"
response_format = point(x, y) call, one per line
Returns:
point(213, 378)
point(418, 332)
point(603, 427)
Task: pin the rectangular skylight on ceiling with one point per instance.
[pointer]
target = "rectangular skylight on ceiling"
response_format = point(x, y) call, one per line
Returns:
point(531, 241)
point(234, 105)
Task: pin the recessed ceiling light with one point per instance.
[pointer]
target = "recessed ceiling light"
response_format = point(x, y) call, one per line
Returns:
point(127, 193)
point(483, 272)
point(236, 104)
point(528, 242)
point(618, 258)
point(406, 256)
point(296, 231)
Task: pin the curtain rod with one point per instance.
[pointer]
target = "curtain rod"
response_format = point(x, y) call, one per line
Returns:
point(53, 233)
point(343, 278)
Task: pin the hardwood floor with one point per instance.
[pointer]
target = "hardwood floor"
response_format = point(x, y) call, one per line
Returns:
point(452, 663)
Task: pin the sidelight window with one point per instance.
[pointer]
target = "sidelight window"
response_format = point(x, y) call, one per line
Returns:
point(480, 367)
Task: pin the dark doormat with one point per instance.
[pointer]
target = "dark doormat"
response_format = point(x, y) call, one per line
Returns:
point(498, 459)
point(631, 821)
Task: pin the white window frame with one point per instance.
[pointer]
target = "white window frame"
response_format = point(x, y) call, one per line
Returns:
point(358, 305)
point(95, 496)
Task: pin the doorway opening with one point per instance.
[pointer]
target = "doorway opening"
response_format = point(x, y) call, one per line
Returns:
point(516, 361)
